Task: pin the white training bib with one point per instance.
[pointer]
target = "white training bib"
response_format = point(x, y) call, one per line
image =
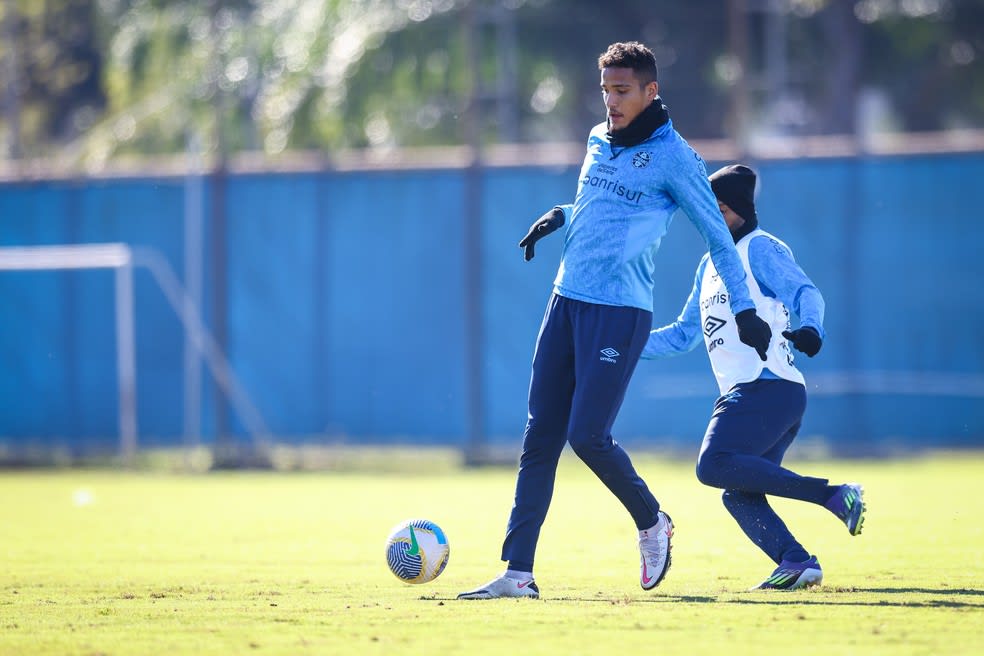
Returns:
point(732, 361)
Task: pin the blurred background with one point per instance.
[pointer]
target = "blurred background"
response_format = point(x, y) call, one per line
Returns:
point(241, 224)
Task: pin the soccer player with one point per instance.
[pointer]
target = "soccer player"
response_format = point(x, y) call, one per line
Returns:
point(762, 403)
point(636, 173)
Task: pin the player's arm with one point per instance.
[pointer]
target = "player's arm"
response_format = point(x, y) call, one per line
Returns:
point(689, 187)
point(692, 192)
point(553, 219)
point(683, 335)
point(779, 276)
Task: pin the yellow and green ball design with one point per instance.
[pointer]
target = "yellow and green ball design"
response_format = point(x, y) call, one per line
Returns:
point(417, 551)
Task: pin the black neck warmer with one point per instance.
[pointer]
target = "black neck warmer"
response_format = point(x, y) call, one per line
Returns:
point(642, 126)
point(746, 229)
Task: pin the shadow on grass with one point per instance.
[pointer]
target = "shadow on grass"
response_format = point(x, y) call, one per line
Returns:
point(832, 597)
point(932, 591)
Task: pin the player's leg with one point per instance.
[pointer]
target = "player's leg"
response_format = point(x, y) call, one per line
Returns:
point(796, 568)
point(763, 526)
point(551, 386)
point(608, 343)
point(549, 406)
point(761, 420)
point(747, 436)
point(845, 501)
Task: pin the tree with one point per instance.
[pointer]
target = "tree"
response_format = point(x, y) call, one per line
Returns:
point(96, 79)
point(56, 77)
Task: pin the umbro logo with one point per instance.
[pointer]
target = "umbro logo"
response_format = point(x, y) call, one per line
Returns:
point(609, 354)
point(712, 325)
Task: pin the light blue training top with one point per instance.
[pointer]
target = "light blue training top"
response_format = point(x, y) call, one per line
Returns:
point(777, 275)
point(626, 198)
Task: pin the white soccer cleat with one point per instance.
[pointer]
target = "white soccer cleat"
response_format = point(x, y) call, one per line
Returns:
point(504, 587)
point(654, 551)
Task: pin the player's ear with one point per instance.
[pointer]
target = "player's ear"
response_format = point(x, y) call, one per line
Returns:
point(652, 90)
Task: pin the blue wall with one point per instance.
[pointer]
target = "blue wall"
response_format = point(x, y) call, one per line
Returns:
point(344, 296)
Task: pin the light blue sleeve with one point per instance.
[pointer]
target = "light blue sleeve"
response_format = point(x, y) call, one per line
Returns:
point(692, 192)
point(683, 335)
point(779, 276)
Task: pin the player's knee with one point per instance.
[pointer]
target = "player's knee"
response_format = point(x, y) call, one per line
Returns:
point(712, 468)
point(586, 445)
point(584, 449)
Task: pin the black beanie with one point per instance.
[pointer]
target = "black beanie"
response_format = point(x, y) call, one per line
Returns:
point(735, 187)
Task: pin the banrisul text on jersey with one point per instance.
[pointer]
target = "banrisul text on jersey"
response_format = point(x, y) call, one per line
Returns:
point(626, 198)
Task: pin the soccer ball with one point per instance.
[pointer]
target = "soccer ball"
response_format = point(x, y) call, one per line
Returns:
point(417, 551)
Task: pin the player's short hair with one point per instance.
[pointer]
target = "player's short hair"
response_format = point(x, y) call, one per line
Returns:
point(630, 54)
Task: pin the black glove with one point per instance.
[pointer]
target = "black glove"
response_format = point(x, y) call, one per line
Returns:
point(806, 340)
point(753, 332)
point(543, 227)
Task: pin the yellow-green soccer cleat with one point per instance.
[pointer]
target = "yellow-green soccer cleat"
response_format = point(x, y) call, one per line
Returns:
point(793, 576)
point(848, 504)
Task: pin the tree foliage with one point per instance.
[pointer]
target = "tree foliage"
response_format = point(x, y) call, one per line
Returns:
point(95, 79)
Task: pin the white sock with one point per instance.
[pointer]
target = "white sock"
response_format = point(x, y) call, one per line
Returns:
point(517, 575)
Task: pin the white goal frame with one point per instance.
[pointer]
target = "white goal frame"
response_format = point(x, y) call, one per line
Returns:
point(122, 259)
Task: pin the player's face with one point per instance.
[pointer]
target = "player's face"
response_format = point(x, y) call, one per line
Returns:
point(730, 217)
point(625, 95)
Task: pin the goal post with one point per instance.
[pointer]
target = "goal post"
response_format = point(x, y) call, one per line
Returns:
point(117, 257)
point(122, 259)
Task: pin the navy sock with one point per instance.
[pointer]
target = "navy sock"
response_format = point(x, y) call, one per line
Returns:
point(797, 555)
point(830, 492)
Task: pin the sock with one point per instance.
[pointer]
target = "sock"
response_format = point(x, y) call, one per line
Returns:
point(831, 491)
point(651, 529)
point(796, 556)
point(519, 575)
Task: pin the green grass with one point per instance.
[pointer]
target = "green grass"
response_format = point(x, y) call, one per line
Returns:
point(104, 562)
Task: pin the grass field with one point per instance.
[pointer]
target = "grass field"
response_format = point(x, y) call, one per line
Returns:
point(107, 562)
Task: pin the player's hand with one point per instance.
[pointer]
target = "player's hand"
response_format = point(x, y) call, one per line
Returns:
point(753, 331)
point(540, 229)
point(806, 340)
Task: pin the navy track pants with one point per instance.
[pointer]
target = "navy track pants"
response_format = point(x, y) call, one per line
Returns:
point(746, 439)
point(584, 358)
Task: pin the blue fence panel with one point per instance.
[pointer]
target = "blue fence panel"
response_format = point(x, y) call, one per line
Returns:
point(272, 273)
point(144, 214)
point(516, 291)
point(394, 329)
point(344, 299)
point(918, 296)
point(60, 325)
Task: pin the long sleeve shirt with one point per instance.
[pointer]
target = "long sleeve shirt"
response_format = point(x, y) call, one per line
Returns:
point(625, 200)
point(778, 276)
